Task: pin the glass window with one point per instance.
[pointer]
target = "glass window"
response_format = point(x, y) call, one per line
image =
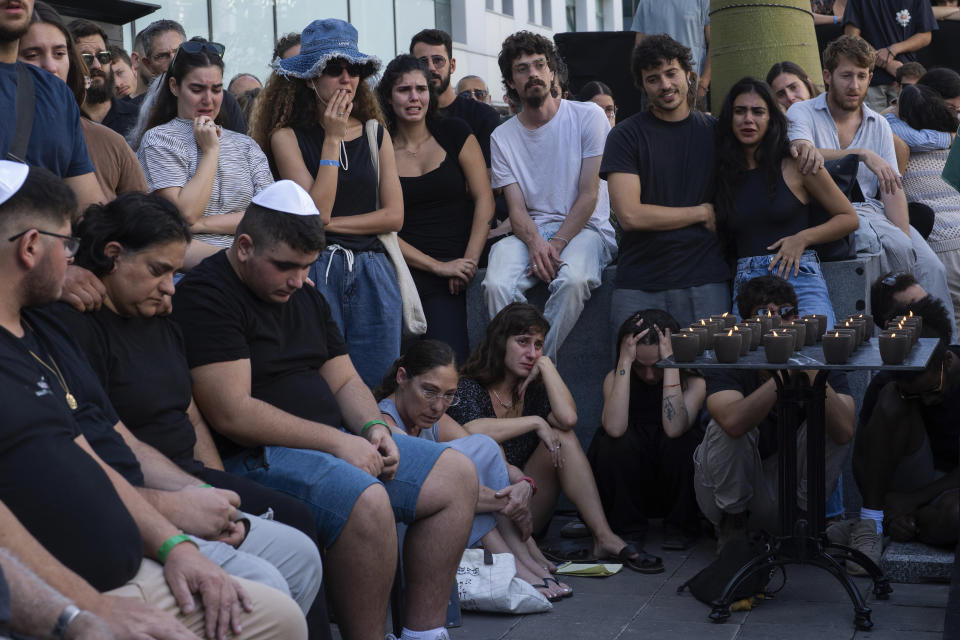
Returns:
point(546, 13)
point(412, 17)
point(247, 50)
point(490, 6)
point(192, 14)
point(443, 17)
point(532, 11)
point(374, 20)
point(601, 25)
point(507, 7)
point(571, 8)
point(295, 15)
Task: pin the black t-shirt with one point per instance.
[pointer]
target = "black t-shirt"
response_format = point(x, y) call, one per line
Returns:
point(59, 493)
point(142, 365)
point(357, 187)
point(286, 344)
point(675, 163)
point(884, 22)
point(746, 381)
point(756, 221)
point(941, 419)
point(122, 116)
point(437, 211)
point(481, 117)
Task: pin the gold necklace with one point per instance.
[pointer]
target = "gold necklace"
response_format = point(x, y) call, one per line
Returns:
point(55, 371)
point(502, 403)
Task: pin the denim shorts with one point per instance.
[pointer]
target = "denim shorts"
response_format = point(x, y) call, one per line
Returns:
point(331, 486)
point(811, 288)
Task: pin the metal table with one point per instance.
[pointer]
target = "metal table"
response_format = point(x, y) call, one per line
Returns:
point(802, 538)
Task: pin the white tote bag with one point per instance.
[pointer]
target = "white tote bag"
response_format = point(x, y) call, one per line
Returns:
point(488, 582)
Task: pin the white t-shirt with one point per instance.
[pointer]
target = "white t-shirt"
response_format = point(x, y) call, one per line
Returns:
point(545, 162)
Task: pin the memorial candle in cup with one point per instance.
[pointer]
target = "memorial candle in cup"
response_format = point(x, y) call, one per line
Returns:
point(727, 318)
point(801, 330)
point(777, 345)
point(861, 326)
point(894, 346)
point(701, 332)
point(812, 327)
point(850, 325)
point(795, 333)
point(756, 333)
point(917, 319)
point(727, 346)
point(685, 346)
point(909, 329)
point(836, 347)
point(821, 323)
point(710, 328)
point(868, 319)
point(746, 335)
point(844, 331)
point(766, 324)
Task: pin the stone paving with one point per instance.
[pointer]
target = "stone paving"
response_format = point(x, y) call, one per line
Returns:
point(632, 606)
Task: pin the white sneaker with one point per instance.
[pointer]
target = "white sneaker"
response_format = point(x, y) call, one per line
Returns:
point(865, 539)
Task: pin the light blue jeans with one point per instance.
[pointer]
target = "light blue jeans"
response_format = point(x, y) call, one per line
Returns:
point(584, 260)
point(811, 288)
point(361, 289)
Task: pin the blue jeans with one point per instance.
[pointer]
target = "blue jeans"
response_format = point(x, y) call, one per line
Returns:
point(361, 289)
point(331, 486)
point(811, 288)
point(584, 259)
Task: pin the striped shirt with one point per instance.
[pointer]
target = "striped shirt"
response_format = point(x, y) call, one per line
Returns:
point(169, 154)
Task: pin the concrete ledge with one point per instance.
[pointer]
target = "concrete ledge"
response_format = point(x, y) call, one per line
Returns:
point(915, 562)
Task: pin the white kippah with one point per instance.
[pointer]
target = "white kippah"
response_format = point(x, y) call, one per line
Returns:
point(12, 177)
point(287, 196)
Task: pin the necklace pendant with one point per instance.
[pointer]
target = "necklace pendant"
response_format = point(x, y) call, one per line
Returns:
point(71, 401)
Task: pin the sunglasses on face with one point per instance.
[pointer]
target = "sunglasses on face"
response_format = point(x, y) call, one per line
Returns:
point(335, 69)
point(477, 94)
point(103, 57)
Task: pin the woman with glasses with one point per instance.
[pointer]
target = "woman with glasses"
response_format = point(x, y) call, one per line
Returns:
point(763, 201)
point(311, 120)
point(447, 200)
point(413, 396)
point(191, 159)
point(513, 393)
point(49, 45)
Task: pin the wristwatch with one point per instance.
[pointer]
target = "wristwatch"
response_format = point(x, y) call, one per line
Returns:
point(67, 616)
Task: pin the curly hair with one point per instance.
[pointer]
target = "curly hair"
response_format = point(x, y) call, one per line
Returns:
point(486, 363)
point(518, 44)
point(731, 159)
point(291, 102)
point(852, 48)
point(403, 63)
point(656, 50)
point(761, 291)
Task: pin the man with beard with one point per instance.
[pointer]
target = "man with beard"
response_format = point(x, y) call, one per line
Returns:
point(100, 105)
point(838, 123)
point(55, 140)
point(659, 165)
point(434, 48)
point(906, 451)
point(547, 161)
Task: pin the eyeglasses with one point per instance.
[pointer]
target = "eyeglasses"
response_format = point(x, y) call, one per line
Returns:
point(193, 47)
point(335, 69)
point(524, 68)
point(439, 62)
point(477, 94)
point(449, 399)
point(784, 311)
point(103, 57)
point(70, 243)
point(163, 55)
point(931, 391)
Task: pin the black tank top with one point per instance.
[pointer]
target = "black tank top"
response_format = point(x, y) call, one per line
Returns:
point(757, 221)
point(356, 186)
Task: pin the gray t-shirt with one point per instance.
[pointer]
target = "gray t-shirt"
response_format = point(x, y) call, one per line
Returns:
point(682, 20)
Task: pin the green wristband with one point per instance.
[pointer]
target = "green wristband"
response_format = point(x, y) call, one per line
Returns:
point(206, 486)
point(169, 544)
point(363, 429)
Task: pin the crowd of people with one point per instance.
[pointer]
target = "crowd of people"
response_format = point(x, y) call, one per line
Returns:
point(234, 313)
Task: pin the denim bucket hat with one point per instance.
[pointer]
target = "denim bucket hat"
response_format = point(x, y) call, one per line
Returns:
point(321, 42)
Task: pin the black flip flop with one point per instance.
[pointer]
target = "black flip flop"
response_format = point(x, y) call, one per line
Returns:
point(544, 585)
point(637, 559)
point(567, 554)
point(565, 594)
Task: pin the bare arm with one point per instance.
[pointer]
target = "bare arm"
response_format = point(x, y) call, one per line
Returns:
point(224, 223)
point(87, 190)
point(502, 429)
point(705, 76)
point(159, 471)
point(737, 414)
point(389, 217)
point(681, 407)
point(616, 400)
point(587, 190)
point(633, 215)
point(204, 450)
point(563, 410)
point(290, 166)
point(895, 208)
point(478, 181)
point(946, 13)
point(913, 43)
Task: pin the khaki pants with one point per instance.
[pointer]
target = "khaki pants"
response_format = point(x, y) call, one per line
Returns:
point(730, 476)
point(274, 615)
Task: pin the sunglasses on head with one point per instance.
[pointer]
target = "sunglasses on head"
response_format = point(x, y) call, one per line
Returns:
point(103, 57)
point(335, 69)
point(193, 47)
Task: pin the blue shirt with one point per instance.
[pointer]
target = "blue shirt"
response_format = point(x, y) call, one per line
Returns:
point(56, 139)
point(682, 20)
point(924, 140)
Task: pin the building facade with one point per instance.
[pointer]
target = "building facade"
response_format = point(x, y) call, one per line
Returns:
point(249, 28)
